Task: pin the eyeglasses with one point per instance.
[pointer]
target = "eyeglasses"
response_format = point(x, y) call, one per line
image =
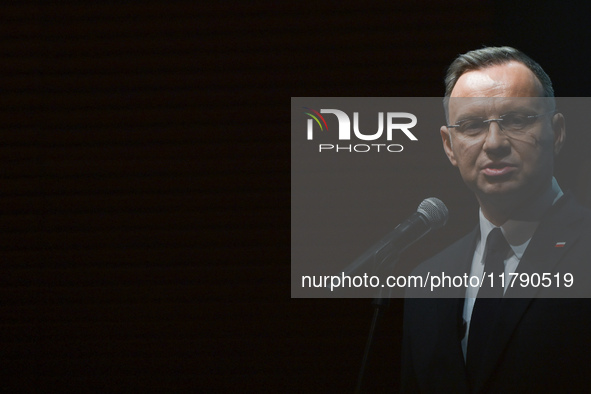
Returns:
point(513, 123)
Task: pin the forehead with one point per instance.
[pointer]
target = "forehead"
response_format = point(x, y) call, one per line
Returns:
point(465, 107)
point(510, 86)
point(512, 79)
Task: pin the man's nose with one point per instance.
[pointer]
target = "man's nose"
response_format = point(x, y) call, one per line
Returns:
point(496, 141)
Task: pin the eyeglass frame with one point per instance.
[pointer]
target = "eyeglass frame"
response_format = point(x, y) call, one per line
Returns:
point(499, 120)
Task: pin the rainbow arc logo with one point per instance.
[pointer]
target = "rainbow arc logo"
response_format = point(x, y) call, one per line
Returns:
point(316, 118)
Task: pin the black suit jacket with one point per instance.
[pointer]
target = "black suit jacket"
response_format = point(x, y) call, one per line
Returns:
point(541, 344)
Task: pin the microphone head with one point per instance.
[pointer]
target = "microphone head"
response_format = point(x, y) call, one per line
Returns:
point(435, 211)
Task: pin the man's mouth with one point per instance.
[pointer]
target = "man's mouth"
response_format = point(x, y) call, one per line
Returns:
point(498, 169)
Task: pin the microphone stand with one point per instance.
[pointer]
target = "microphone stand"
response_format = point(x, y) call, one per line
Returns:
point(431, 214)
point(380, 303)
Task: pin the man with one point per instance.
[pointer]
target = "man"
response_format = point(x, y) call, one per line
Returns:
point(503, 134)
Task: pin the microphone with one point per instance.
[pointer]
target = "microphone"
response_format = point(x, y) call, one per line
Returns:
point(430, 215)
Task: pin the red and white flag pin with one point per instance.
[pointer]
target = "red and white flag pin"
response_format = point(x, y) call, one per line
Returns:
point(560, 244)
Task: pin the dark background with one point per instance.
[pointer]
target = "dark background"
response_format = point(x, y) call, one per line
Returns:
point(144, 181)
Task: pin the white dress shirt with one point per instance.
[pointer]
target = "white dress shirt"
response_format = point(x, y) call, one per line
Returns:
point(518, 232)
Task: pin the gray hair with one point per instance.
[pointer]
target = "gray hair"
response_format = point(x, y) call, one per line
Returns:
point(493, 56)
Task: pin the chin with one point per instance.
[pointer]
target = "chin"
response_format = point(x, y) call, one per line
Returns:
point(500, 189)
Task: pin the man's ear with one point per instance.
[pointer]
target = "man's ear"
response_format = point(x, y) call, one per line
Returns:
point(447, 145)
point(559, 129)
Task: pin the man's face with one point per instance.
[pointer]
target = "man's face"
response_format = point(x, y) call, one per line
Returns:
point(497, 165)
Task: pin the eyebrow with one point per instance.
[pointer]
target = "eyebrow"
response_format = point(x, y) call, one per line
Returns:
point(480, 113)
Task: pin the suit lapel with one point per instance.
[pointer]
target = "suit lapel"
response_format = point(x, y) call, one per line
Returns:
point(442, 339)
point(542, 255)
point(562, 224)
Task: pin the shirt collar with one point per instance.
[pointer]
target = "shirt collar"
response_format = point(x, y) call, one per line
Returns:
point(519, 231)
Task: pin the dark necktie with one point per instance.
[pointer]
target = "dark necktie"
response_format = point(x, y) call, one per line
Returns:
point(488, 301)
